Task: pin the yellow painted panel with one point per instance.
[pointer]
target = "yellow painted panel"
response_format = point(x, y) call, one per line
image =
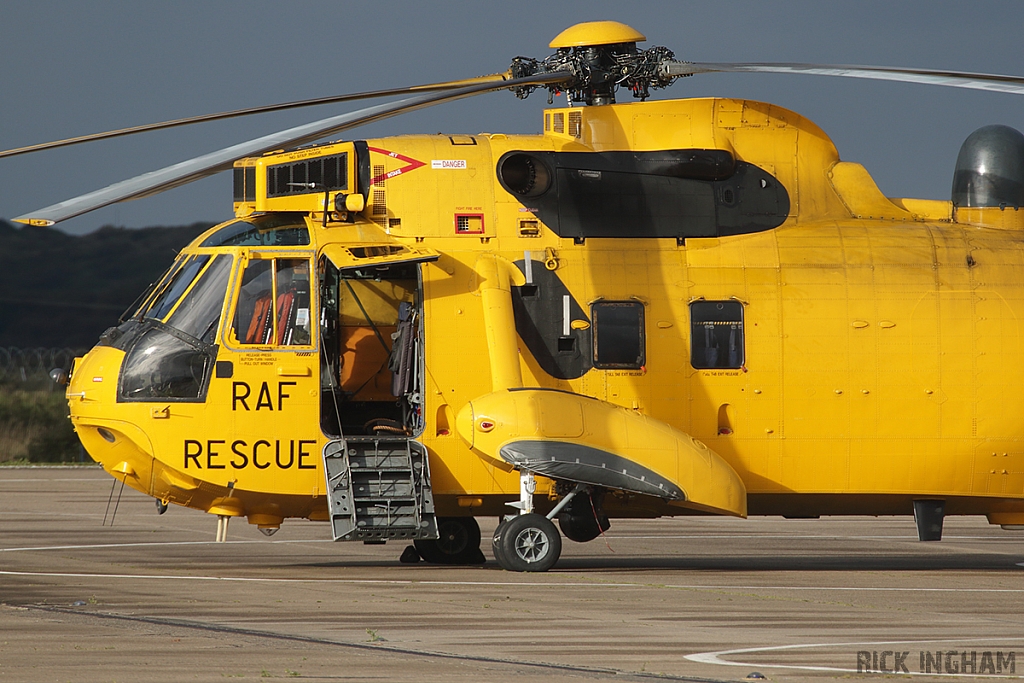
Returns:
point(861, 196)
point(815, 464)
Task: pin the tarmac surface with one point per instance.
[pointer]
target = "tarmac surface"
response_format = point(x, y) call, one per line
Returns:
point(153, 598)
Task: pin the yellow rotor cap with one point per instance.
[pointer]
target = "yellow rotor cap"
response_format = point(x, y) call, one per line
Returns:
point(597, 33)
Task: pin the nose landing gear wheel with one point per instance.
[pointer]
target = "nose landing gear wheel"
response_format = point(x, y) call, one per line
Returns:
point(527, 543)
point(458, 542)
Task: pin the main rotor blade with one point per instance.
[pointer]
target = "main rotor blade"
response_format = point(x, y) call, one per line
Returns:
point(209, 164)
point(954, 79)
point(334, 99)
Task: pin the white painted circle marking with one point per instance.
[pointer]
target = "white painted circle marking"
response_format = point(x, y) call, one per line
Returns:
point(716, 656)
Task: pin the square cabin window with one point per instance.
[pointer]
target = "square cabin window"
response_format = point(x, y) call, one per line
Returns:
point(716, 335)
point(618, 334)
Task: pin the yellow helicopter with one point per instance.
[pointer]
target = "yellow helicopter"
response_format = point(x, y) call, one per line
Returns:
point(675, 307)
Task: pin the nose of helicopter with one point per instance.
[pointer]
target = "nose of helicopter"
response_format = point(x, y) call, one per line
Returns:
point(120, 436)
point(116, 443)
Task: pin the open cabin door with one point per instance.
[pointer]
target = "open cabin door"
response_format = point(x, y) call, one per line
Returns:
point(371, 377)
point(371, 314)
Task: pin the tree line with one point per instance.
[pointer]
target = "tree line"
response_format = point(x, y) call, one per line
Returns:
point(58, 292)
point(61, 291)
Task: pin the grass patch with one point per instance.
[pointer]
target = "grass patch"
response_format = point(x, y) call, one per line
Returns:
point(35, 428)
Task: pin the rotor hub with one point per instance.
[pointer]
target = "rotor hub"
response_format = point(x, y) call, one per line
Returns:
point(601, 57)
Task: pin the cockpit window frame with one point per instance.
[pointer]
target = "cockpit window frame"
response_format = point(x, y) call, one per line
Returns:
point(227, 337)
point(157, 288)
point(156, 352)
point(148, 329)
point(210, 282)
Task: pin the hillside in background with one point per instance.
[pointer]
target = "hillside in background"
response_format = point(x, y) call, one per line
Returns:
point(60, 290)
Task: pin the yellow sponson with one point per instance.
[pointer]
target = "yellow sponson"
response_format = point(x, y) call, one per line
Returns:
point(597, 33)
point(563, 435)
point(1006, 518)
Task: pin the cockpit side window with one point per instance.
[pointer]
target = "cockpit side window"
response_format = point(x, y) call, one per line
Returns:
point(292, 303)
point(253, 305)
point(273, 302)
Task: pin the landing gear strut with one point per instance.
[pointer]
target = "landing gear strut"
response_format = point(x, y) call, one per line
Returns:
point(530, 542)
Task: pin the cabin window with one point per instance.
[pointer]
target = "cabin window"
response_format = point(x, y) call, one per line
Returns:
point(273, 304)
point(618, 334)
point(716, 335)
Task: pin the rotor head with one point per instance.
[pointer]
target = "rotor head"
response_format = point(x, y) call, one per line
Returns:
point(600, 57)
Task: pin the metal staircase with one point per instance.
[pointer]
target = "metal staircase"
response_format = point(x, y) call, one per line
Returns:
point(378, 488)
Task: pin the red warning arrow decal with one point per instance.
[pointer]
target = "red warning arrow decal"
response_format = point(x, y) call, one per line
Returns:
point(411, 165)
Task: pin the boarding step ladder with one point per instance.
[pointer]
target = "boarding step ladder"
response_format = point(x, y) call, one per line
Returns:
point(378, 488)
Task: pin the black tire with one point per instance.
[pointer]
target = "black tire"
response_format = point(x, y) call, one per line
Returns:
point(529, 543)
point(496, 542)
point(458, 542)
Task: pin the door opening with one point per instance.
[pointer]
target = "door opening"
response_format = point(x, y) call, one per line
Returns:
point(372, 352)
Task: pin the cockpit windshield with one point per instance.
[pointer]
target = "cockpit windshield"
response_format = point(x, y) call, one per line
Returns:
point(199, 311)
point(170, 344)
point(171, 287)
point(192, 294)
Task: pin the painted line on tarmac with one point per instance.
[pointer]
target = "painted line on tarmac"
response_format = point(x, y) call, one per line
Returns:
point(156, 544)
point(38, 479)
point(716, 656)
point(535, 584)
point(904, 537)
point(328, 541)
point(396, 582)
point(393, 650)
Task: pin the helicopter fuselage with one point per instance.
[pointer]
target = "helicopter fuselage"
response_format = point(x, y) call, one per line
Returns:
point(707, 274)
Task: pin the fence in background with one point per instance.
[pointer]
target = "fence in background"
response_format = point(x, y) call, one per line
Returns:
point(27, 365)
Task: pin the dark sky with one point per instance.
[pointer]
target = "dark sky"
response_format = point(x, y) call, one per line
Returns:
point(70, 68)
